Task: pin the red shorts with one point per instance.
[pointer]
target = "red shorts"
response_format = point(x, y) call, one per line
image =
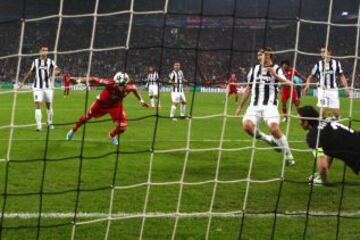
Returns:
point(233, 90)
point(286, 93)
point(117, 113)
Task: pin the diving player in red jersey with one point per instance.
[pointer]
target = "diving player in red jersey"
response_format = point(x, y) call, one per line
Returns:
point(109, 101)
point(289, 73)
point(232, 87)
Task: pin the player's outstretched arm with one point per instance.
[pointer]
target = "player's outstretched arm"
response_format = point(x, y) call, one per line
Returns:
point(84, 80)
point(279, 77)
point(307, 84)
point(323, 165)
point(243, 100)
point(27, 77)
point(138, 96)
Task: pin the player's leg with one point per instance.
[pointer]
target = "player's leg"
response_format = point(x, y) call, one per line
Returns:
point(94, 111)
point(272, 119)
point(323, 101)
point(38, 98)
point(175, 98)
point(296, 100)
point(183, 105)
point(236, 98)
point(156, 96)
point(284, 99)
point(152, 102)
point(250, 125)
point(48, 98)
point(334, 103)
point(157, 101)
point(119, 117)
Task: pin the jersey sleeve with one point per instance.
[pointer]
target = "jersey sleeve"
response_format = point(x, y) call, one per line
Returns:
point(311, 138)
point(296, 73)
point(171, 76)
point(250, 76)
point(103, 82)
point(315, 69)
point(339, 69)
point(280, 72)
point(32, 69)
point(131, 88)
point(53, 64)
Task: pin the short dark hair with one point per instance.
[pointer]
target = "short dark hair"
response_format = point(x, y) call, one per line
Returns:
point(44, 46)
point(286, 61)
point(267, 49)
point(327, 48)
point(309, 112)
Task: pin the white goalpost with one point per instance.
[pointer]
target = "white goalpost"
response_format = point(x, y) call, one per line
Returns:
point(79, 218)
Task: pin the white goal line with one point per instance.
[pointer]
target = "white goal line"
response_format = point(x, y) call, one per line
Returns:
point(140, 140)
point(125, 215)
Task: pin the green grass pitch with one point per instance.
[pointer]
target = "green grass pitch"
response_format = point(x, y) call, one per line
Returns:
point(24, 179)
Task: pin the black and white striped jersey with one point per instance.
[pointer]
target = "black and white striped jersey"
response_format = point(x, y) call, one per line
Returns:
point(264, 86)
point(177, 77)
point(152, 78)
point(43, 70)
point(326, 73)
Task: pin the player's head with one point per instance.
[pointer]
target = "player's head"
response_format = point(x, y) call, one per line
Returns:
point(285, 64)
point(233, 75)
point(44, 51)
point(150, 68)
point(325, 52)
point(121, 78)
point(264, 54)
point(177, 66)
point(308, 117)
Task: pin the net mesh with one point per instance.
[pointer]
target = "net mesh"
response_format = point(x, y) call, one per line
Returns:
point(211, 40)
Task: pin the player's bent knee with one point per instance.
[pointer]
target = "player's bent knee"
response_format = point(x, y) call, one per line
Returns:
point(274, 129)
point(248, 126)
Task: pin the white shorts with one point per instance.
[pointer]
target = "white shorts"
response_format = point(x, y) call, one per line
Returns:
point(270, 114)
point(177, 97)
point(153, 90)
point(43, 95)
point(328, 98)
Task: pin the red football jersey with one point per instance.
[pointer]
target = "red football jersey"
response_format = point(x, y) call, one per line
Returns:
point(289, 73)
point(112, 94)
point(66, 79)
point(232, 80)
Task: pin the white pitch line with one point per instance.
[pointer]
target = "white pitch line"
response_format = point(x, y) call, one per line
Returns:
point(120, 215)
point(142, 140)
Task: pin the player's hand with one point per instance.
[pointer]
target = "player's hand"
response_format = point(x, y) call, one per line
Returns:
point(144, 104)
point(271, 70)
point(19, 86)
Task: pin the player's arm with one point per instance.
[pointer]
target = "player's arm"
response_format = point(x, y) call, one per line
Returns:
point(323, 164)
point(309, 80)
point(344, 83)
point(28, 74)
point(279, 76)
point(302, 77)
point(26, 78)
point(134, 90)
point(243, 100)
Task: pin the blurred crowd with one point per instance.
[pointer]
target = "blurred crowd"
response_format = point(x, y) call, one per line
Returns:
point(208, 48)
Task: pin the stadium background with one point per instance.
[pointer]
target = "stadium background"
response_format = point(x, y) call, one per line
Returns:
point(44, 175)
